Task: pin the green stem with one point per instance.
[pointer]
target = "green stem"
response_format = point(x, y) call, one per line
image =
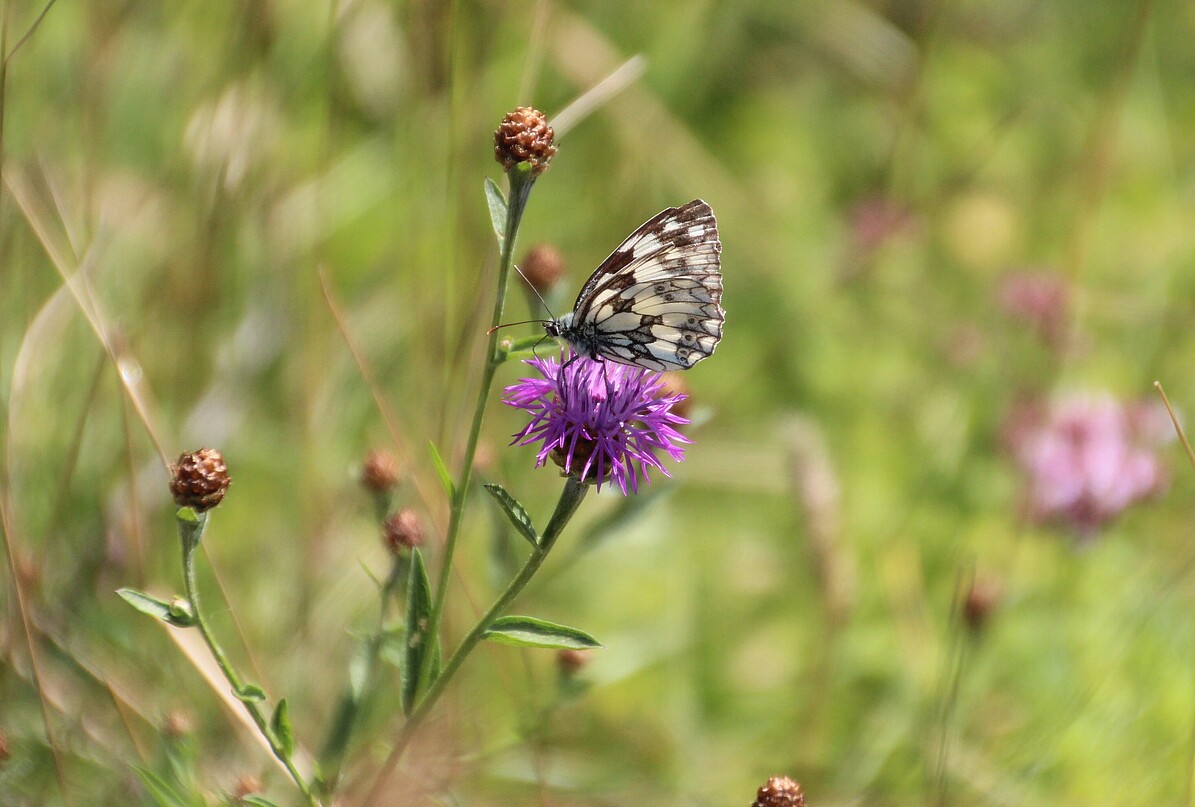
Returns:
point(570, 499)
point(190, 532)
point(354, 699)
point(521, 181)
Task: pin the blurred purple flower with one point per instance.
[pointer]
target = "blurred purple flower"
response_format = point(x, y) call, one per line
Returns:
point(1039, 299)
point(1088, 457)
point(875, 219)
point(599, 421)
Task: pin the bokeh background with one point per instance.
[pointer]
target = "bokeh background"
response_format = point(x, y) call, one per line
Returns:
point(954, 233)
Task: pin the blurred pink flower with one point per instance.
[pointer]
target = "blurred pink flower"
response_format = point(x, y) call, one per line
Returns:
point(1088, 457)
point(1039, 299)
point(875, 219)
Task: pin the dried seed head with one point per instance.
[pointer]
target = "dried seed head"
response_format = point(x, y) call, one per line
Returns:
point(542, 267)
point(570, 662)
point(981, 601)
point(675, 384)
point(379, 472)
point(177, 725)
point(524, 136)
point(402, 531)
point(245, 786)
point(200, 479)
point(780, 791)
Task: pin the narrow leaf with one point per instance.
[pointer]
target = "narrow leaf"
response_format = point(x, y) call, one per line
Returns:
point(250, 693)
point(154, 607)
point(258, 801)
point(419, 608)
point(442, 471)
point(280, 725)
point(526, 631)
point(497, 203)
point(159, 790)
point(515, 512)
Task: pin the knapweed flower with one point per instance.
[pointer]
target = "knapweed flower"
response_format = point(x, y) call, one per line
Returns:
point(598, 420)
point(1088, 457)
point(780, 791)
point(524, 136)
point(199, 479)
point(1039, 299)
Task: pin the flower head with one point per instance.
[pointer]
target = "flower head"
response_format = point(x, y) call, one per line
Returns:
point(379, 472)
point(1087, 458)
point(402, 531)
point(599, 421)
point(524, 136)
point(780, 791)
point(199, 479)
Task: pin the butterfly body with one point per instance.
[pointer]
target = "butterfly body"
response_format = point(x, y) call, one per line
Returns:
point(655, 302)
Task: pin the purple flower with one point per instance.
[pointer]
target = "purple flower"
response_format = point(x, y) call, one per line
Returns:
point(599, 421)
point(1087, 458)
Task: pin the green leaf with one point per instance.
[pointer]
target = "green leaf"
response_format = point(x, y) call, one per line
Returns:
point(419, 609)
point(159, 790)
point(155, 607)
point(515, 512)
point(497, 203)
point(526, 631)
point(258, 801)
point(280, 725)
point(250, 693)
point(442, 471)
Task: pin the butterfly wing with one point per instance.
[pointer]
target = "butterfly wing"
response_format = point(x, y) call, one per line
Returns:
point(656, 301)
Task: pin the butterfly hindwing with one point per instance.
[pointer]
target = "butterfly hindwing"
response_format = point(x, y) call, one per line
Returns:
point(655, 302)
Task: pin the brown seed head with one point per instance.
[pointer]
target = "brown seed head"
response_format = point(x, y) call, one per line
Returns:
point(524, 136)
point(200, 479)
point(570, 662)
point(379, 472)
point(245, 786)
point(177, 725)
point(981, 601)
point(4, 752)
point(402, 531)
point(675, 384)
point(780, 791)
point(542, 267)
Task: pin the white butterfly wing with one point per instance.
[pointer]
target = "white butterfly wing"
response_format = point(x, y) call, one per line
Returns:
point(655, 302)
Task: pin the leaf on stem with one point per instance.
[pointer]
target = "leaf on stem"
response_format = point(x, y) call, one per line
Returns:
point(526, 631)
point(442, 471)
point(250, 693)
point(155, 608)
point(515, 512)
point(280, 725)
point(258, 801)
point(159, 790)
point(497, 204)
point(419, 609)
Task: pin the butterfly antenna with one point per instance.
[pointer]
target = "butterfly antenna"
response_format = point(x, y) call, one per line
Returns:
point(531, 285)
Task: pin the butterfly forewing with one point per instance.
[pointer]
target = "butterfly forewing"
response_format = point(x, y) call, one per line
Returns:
point(655, 302)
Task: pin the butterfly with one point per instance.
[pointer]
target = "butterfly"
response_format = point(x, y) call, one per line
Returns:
point(656, 301)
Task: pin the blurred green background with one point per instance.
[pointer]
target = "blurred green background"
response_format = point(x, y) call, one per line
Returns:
point(243, 194)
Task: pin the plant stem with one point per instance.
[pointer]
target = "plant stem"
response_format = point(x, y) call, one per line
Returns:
point(355, 698)
point(521, 182)
point(190, 532)
point(570, 499)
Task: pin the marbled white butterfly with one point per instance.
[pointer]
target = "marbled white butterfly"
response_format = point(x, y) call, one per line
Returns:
point(655, 302)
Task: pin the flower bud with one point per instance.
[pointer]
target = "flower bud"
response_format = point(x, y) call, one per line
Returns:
point(570, 662)
point(379, 472)
point(402, 531)
point(177, 725)
point(780, 791)
point(981, 601)
point(200, 479)
point(524, 136)
point(542, 267)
